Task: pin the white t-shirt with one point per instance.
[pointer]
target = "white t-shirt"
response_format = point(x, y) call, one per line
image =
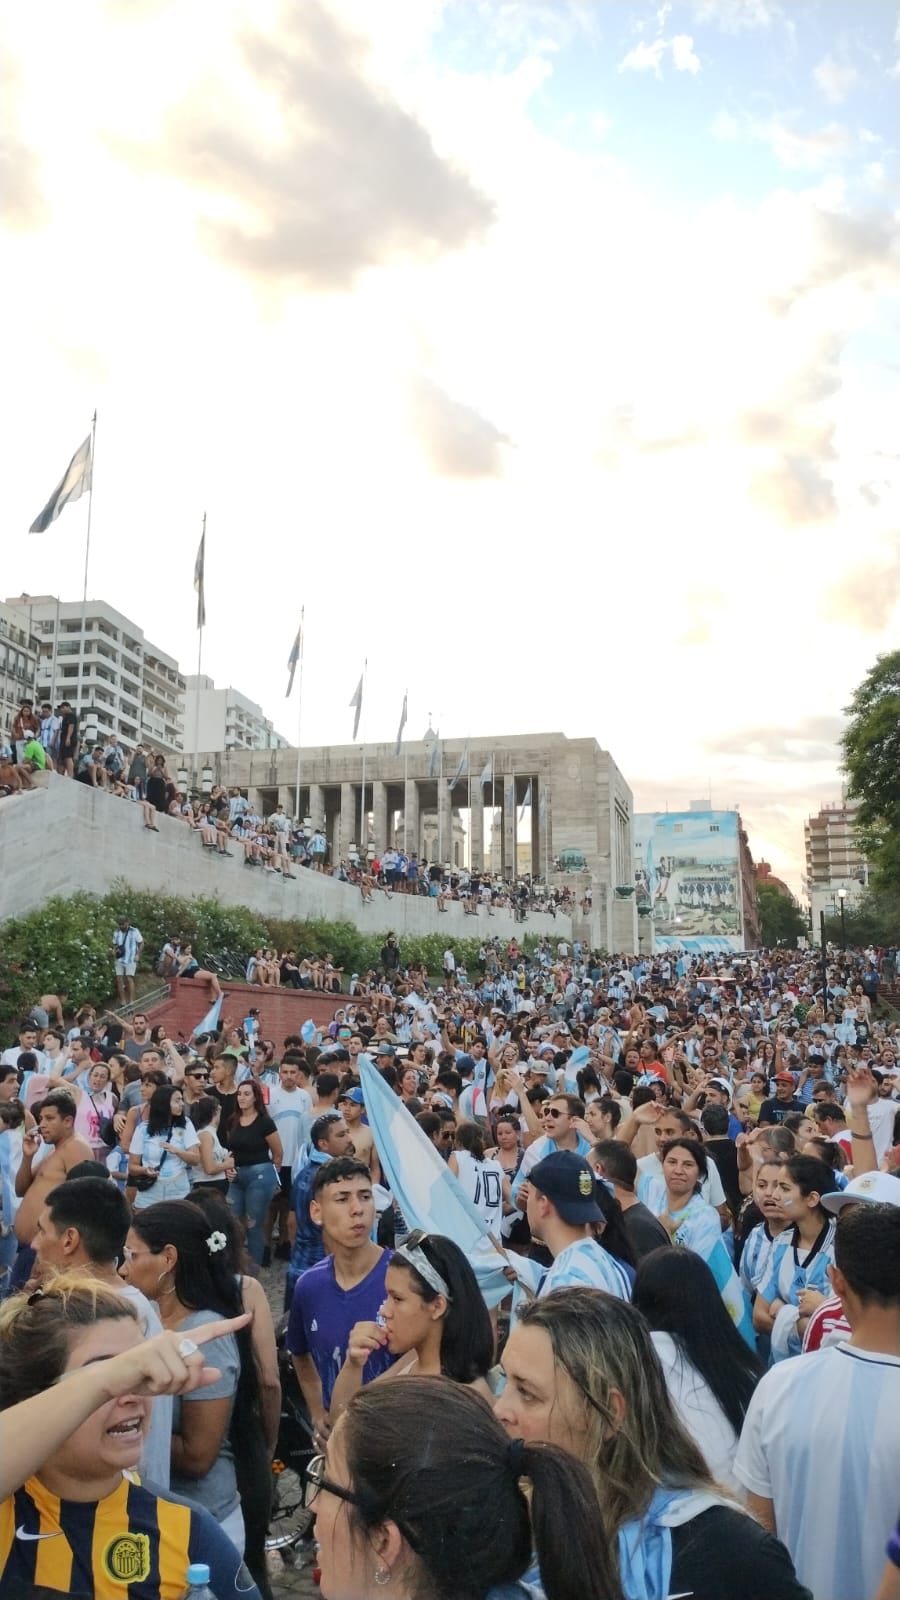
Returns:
point(10, 1058)
point(700, 1412)
point(821, 1432)
point(290, 1112)
point(650, 1167)
point(482, 1182)
point(157, 1452)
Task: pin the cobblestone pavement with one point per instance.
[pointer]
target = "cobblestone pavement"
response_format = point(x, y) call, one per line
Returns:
point(288, 1583)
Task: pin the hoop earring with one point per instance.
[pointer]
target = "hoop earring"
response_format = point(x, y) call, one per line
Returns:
point(164, 1274)
point(382, 1576)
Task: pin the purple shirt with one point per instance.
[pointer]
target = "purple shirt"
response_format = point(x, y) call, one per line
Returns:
point(323, 1314)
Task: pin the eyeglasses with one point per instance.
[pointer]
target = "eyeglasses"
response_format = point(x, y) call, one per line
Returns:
point(553, 1113)
point(131, 1255)
point(316, 1480)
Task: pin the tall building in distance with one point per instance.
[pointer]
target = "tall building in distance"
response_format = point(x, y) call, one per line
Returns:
point(110, 672)
point(695, 881)
point(19, 654)
point(218, 720)
point(837, 872)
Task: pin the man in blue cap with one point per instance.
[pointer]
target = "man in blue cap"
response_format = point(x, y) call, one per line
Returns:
point(564, 1214)
point(351, 1105)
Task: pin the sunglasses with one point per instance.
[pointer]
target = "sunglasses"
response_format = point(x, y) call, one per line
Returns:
point(553, 1113)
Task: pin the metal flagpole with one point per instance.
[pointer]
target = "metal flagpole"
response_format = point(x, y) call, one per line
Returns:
point(300, 707)
point(469, 780)
point(363, 824)
point(201, 617)
point(87, 557)
point(440, 810)
point(405, 793)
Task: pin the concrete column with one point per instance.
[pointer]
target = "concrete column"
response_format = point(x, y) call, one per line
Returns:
point(509, 826)
point(347, 830)
point(476, 824)
point(536, 841)
point(410, 836)
point(286, 798)
point(445, 848)
point(379, 816)
point(316, 804)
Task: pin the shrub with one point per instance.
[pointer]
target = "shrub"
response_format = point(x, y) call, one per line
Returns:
point(66, 945)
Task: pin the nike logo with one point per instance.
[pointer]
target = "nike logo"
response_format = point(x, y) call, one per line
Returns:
point(21, 1534)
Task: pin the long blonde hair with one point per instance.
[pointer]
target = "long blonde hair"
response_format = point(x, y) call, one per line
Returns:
point(604, 1344)
point(36, 1330)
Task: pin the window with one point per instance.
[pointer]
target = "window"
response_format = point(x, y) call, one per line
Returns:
point(678, 827)
point(714, 827)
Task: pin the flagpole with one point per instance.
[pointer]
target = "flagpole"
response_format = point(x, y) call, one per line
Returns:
point(201, 616)
point(440, 816)
point(87, 557)
point(300, 708)
point(469, 786)
point(363, 825)
point(405, 792)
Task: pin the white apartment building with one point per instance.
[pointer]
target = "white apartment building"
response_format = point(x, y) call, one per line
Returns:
point(224, 719)
point(19, 651)
point(114, 677)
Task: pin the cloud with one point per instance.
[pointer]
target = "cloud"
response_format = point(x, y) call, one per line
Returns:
point(868, 594)
point(805, 152)
point(649, 57)
point(457, 440)
point(331, 176)
point(704, 608)
point(684, 57)
point(22, 204)
point(836, 79)
point(795, 490)
point(815, 739)
point(736, 16)
point(841, 246)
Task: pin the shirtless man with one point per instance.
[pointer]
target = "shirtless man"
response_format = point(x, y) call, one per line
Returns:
point(56, 1127)
point(351, 1106)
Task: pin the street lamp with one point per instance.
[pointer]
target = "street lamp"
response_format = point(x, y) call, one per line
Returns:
point(842, 895)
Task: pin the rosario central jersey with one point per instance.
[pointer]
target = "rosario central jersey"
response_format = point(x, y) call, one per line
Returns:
point(134, 1545)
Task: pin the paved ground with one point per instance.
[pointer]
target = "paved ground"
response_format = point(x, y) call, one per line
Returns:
point(288, 1583)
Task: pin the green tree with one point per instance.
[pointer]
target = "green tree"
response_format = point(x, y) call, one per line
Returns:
point(871, 750)
point(780, 919)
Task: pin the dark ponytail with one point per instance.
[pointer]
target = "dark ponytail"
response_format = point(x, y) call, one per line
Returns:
point(430, 1456)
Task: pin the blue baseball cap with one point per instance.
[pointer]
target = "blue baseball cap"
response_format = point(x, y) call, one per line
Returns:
point(356, 1095)
point(566, 1180)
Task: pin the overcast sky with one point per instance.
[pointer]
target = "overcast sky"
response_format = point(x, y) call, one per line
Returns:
point(546, 350)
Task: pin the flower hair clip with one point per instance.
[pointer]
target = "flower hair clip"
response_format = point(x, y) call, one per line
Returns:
point(215, 1243)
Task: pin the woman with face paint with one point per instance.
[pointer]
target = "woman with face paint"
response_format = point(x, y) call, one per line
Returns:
point(798, 1278)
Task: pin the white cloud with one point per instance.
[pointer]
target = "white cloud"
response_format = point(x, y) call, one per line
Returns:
point(647, 57)
point(836, 79)
point(805, 152)
point(735, 16)
point(684, 57)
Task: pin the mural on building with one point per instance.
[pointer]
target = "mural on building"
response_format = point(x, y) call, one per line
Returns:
point(687, 873)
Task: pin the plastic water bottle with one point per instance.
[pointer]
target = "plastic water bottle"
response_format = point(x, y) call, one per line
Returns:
point(198, 1582)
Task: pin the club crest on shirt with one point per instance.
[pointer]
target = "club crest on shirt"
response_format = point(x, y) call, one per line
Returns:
point(126, 1558)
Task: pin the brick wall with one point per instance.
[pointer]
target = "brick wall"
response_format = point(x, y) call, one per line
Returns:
point(282, 1011)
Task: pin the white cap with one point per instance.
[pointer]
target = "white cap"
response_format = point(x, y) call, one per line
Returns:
point(881, 1188)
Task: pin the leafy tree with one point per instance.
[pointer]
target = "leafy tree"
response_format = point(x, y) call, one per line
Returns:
point(871, 749)
point(780, 919)
point(875, 919)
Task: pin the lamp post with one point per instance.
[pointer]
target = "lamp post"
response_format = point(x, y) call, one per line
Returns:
point(842, 895)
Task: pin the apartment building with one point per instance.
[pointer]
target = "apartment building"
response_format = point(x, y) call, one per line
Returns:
point(113, 675)
point(832, 853)
point(19, 653)
point(216, 720)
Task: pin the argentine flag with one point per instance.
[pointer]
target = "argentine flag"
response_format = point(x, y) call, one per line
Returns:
point(210, 1022)
point(424, 1187)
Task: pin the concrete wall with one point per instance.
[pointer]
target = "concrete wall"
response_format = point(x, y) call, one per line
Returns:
point(67, 836)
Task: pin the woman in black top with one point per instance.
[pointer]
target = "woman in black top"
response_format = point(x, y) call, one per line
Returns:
point(157, 785)
point(255, 1146)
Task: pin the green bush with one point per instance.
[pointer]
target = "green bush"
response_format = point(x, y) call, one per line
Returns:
point(66, 946)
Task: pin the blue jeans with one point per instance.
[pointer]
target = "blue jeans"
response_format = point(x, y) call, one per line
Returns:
point(250, 1194)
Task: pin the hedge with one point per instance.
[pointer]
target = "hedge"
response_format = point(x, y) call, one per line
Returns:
point(65, 946)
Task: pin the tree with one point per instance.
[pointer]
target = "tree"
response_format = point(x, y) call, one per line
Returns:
point(871, 749)
point(780, 919)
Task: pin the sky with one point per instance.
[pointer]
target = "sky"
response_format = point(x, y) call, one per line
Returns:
point(545, 351)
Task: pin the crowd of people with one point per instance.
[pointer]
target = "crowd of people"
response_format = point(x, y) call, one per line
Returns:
point(689, 1383)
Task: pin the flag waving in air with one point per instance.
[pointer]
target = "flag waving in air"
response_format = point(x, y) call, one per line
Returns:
point(402, 725)
point(199, 577)
point(293, 658)
point(424, 1187)
point(461, 767)
point(75, 481)
point(356, 700)
point(488, 774)
point(526, 801)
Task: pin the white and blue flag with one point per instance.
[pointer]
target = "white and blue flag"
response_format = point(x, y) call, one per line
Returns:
point(424, 1187)
point(210, 1022)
